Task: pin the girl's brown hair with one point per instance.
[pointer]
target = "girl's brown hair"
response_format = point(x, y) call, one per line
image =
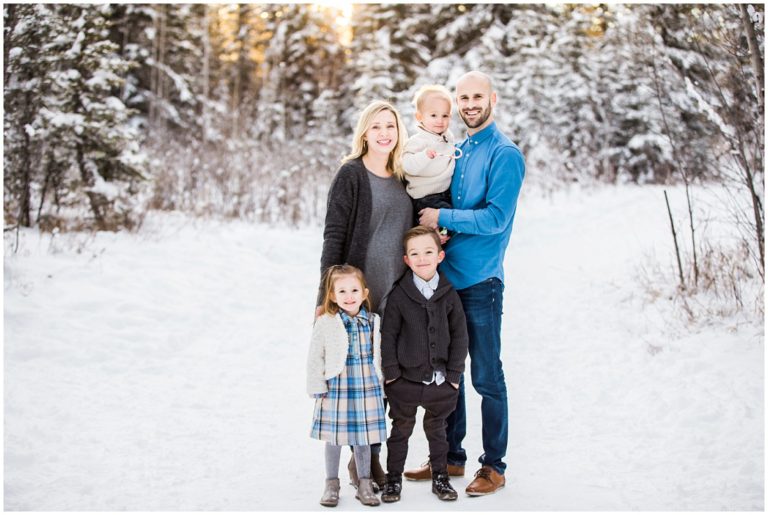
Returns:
point(333, 273)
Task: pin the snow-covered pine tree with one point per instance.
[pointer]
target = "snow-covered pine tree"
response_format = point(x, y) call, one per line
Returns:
point(530, 59)
point(515, 51)
point(632, 146)
point(409, 43)
point(716, 63)
point(669, 138)
point(299, 126)
point(457, 28)
point(304, 59)
point(270, 123)
point(84, 122)
point(387, 55)
point(26, 29)
point(166, 41)
point(574, 127)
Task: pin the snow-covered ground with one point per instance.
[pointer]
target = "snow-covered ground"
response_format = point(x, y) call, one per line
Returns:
point(164, 370)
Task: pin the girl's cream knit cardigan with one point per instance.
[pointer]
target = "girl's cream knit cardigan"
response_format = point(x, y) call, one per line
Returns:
point(328, 351)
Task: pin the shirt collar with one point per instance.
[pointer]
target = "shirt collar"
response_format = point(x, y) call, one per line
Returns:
point(362, 314)
point(421, 283)
point(483, 135)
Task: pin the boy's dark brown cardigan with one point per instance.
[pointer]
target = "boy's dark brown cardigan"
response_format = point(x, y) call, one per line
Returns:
point(419, 336)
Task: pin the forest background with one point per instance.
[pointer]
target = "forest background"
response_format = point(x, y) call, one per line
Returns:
point(166, 169)
point(244, 110)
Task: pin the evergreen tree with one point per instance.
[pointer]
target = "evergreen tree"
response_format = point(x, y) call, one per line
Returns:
point(304, 59)
point(27, 27)
point(389, 52)
point(457, 28)
point(720, 63)
point(84, 123)
point(167, 41)
point(255, 102)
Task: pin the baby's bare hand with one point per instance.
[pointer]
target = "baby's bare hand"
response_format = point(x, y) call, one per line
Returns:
point(431, 153)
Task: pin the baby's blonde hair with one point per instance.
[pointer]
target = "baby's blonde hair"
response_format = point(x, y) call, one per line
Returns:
point(431, 89)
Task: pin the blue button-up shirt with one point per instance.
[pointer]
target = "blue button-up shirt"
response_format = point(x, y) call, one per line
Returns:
point(484, 189)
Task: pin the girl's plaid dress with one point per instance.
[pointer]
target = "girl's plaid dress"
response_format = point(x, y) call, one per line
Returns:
point(352, 411)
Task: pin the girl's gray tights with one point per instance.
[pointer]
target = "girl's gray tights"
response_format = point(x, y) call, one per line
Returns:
point(362, 460)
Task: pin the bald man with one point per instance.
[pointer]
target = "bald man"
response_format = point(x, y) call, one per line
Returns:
point(485, 186)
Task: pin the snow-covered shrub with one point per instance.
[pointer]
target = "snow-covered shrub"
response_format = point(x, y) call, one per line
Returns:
point(244, 179)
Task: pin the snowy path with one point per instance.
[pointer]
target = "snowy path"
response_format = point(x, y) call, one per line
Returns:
point(165, 371)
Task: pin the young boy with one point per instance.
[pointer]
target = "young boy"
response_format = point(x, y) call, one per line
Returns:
point(429, 155)
point(423, 348)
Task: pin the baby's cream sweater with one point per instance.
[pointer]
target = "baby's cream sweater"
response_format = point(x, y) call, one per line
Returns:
point(427, 176)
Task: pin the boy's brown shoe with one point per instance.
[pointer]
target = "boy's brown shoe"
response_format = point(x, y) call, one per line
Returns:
point(487, 481)
point(424, 473)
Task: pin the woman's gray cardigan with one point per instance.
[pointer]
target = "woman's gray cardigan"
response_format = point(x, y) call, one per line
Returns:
point(347, 219)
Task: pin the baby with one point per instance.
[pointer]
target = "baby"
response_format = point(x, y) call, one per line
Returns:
point(428, 155)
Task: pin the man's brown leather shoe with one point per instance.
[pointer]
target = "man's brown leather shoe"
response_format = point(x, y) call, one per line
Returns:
point(486, 481)
point(424, 473)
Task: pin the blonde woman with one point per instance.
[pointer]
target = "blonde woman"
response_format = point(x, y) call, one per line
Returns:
point(368, 211)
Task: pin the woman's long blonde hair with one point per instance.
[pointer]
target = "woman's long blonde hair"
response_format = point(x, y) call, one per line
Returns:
point(360, 147)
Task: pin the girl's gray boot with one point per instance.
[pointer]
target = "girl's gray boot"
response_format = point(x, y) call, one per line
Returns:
point(331, 494)
point(365, 492)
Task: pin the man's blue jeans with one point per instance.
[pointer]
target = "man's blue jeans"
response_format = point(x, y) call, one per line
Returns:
point(483, 307)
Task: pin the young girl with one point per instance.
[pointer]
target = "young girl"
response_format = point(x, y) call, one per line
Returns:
point(344, 375)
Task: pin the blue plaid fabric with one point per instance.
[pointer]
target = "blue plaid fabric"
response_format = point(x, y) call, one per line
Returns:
point(352, 412)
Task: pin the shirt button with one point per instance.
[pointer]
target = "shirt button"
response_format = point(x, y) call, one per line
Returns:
point(431, 329)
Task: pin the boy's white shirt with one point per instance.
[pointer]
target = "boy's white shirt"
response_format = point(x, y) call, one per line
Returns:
point(427, 176)
point(328, 351)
